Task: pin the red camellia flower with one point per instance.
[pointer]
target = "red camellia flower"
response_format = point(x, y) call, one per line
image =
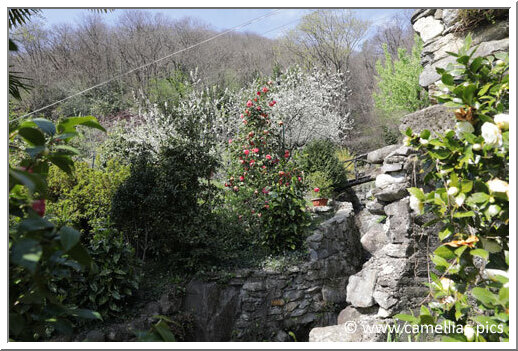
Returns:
point(242, 116)
point(236, 189)
point(273, 102)
point(255, 99)
point(268, 157)
point(264, 167)
point(281, 173)
point(316, 190)
point(244, 121)
point(258, 108)
point(286, 154)
point(256, 150)
point(299, 179)
point(258, 93)
point(265, 90)
point(230, 141)
point(267, 206)
point(242, 161)
point(241, 178)
point(251, 134)
point(249, 103)
point(265, 191)
point(252, 162)
point(246, 152)
point(39, 207)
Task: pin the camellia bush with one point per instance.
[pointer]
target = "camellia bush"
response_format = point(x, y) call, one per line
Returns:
point(268, 186)
point(469, 168)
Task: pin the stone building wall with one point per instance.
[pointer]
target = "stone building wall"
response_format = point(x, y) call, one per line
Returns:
point(439, 30)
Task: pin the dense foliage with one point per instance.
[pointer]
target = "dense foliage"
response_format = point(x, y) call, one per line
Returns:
point(320, 156)
point(84, 199)
point(398, 89)
point(267, 185)
point(39, 250)
point(470, 170)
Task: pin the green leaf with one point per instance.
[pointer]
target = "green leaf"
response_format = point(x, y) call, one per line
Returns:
point(79, 253)
point(447, 79)
point(45, 125)
point(468, 94)
point(406, 318)
point(65, 163)
point(475, 65)
point(478, 198)
point(35, 224)
point(69, 237)
point(68, 148)
point(86, 314)
point(164, 331)
point(418, 193)
point(490, 245)
point(466, 186)
point(485, 321)
point(32, 135)
point(69, 124)
point(444, 252)
point(446, 232)
point(484, 296)
point(464, 214)
point(480, 253)
point(26, 253)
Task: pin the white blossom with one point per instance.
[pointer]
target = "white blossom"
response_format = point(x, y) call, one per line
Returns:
point(477, 147)
point(491, 134)
point(498, 186)
point(423, 141)
point(459, 200)
point(416, 204)
point(453, 191)
point(502, 121)
point(493, 210)
point(448, 284)
point(469, 332)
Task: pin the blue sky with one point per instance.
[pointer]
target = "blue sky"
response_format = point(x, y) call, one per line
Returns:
point(220, 19)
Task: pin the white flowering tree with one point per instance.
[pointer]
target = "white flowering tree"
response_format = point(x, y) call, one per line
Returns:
point(309, 106)
point(470, 170)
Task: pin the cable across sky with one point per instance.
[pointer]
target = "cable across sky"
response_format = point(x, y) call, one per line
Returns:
point(247, 23)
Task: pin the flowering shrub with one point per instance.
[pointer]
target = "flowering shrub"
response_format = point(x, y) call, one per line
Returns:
point(321, 185)
point(470, 170)
point(266, 183)
point(309, 106)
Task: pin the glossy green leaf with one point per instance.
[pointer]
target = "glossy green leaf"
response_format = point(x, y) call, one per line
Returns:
point(69, 237)
point(26, 253)
point(32, 135)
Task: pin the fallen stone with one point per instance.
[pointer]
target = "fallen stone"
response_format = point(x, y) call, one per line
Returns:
point(361, 288)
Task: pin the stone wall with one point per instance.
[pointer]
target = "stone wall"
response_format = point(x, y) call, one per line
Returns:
point(262, 305)
point(391, 281)
point(439, 30)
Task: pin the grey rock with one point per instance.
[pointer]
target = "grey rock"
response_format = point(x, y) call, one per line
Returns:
point(377, 156)
point(384, 180)
point(375, 207)
point(401, 151)
point(152, 308)
point(334, 293)
point(290, 306)
point(384, 298)
point(438, 14)
point(254, 286)
point(428, 27)
point(298, 312)
point(449, 17)
point(293, 295)
point(364, 332)
point(348, 314)
point(391, 167)
point(421, 13)
point(399, 220)
point(95, 336)
point(361, 288)
point(396, 250)
point(391, 193)
point(214, 308)
point(282, 336)
point(439, 117)
point(374, 239)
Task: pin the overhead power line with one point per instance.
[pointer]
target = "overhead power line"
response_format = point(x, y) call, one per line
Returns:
point(247, 23)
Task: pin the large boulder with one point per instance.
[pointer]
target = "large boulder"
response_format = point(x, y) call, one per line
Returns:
point(436, 117)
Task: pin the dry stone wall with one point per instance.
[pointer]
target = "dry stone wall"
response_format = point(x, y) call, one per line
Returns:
point(262, 305)
point(391, 281)
point(439, 30)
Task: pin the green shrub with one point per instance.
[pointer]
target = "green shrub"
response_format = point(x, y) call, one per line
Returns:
point(470, 170)
point(163, 207)
point(320, 156)
point(112, 280)
point(471, 18)
point(318, 180)
point(398, 90)
point(84, 198)
point(39, 250)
